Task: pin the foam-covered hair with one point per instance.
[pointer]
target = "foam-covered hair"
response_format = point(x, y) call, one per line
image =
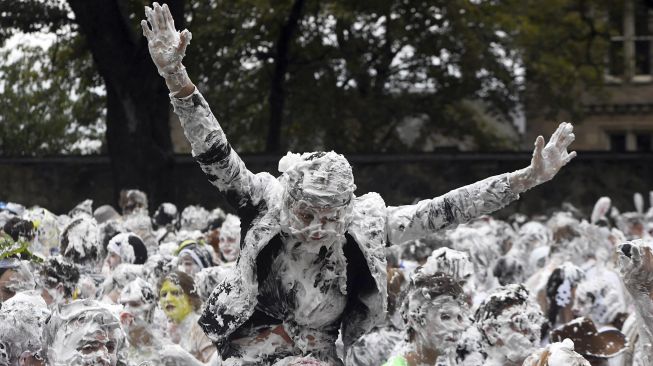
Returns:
point(323, 179)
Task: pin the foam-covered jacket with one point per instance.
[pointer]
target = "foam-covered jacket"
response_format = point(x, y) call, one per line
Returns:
point(258, 199)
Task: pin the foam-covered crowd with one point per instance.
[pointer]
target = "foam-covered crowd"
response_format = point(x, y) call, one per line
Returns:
point(310, 273)
point(99, 287)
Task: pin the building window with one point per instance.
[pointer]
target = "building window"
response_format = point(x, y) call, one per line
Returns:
point(643, 141)
point(617, 142)
point(631, 46)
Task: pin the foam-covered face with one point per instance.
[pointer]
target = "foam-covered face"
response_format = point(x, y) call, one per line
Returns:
point(175, 304)
point(439, 322)
point(600, 301)
point(314, 225)
point(515, 333)
point(112, 260)
point(229, 245)
point(187, 265)
point(87, 343)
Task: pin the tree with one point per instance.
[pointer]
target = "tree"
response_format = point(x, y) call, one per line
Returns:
point(332, 74)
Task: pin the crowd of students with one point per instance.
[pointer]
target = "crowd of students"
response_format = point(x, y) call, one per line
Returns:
point(95, 287)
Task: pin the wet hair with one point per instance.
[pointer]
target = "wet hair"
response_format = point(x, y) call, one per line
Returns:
point(187, 285)
point(503, 298)
point(56, 270)
point(17, 227)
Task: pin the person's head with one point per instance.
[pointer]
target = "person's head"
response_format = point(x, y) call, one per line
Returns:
point(139, 300)
point(125, 248)
point(21, 326)
point(59, 278)
point(132, 201)
point(598, 299)
point(483, 250)
point(157, 267)
point(15, 276)
point(318, 190)
point(80, 242)
point(84, 332)
point(19, 229)
point(511, 323)
point(533, 234)
point(435, 311)
point(194, 217)
point(83, 209)
point(230, 238)
point(193, 256)
point(178, 296)
point(561, 292)
point(451, 262)
point(46, 229)
point(165, 216)
point(559, 353)
point(105, 213)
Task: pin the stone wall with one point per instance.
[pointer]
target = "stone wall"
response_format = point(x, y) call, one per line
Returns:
point(58, 183)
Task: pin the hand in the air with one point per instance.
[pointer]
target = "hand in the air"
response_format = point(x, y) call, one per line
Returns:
point(636, 266)
point(167, 46)
point(547, 160)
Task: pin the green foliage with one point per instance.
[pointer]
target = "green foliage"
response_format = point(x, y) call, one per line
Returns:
point(30, 16)
point(50, 99)
point(16, 249)
point(357, 70)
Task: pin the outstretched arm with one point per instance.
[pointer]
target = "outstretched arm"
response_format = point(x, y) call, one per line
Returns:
point(410, 222)
point(218, 160)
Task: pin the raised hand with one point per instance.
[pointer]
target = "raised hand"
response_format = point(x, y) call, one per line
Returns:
point(547, 160)
point(636, 266)
point(167, 46)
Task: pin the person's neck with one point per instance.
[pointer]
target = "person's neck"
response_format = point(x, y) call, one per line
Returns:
point(423, 355)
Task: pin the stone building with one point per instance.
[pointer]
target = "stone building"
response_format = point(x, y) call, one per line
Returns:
point(622, 121)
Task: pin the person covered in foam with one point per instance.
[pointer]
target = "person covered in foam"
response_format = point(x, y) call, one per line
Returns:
point(84, 332)
point(436, 315)
point(124, 248)
point(312, 261)
point(21, 326)
point(193, 256)
point(180, 302)
point(139, 301)
point(507, 329)
point(230, 239)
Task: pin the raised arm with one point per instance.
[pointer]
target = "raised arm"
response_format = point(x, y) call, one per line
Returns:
point(410, 222)
point(210, 147)
point(636, 267)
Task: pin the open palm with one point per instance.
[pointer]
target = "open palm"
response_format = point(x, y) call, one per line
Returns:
point(167, 46)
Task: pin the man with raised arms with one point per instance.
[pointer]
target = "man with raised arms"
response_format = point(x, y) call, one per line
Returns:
point(312, 253)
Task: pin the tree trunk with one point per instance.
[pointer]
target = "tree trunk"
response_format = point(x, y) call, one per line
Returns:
point(138, 135)
point(277, 97)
